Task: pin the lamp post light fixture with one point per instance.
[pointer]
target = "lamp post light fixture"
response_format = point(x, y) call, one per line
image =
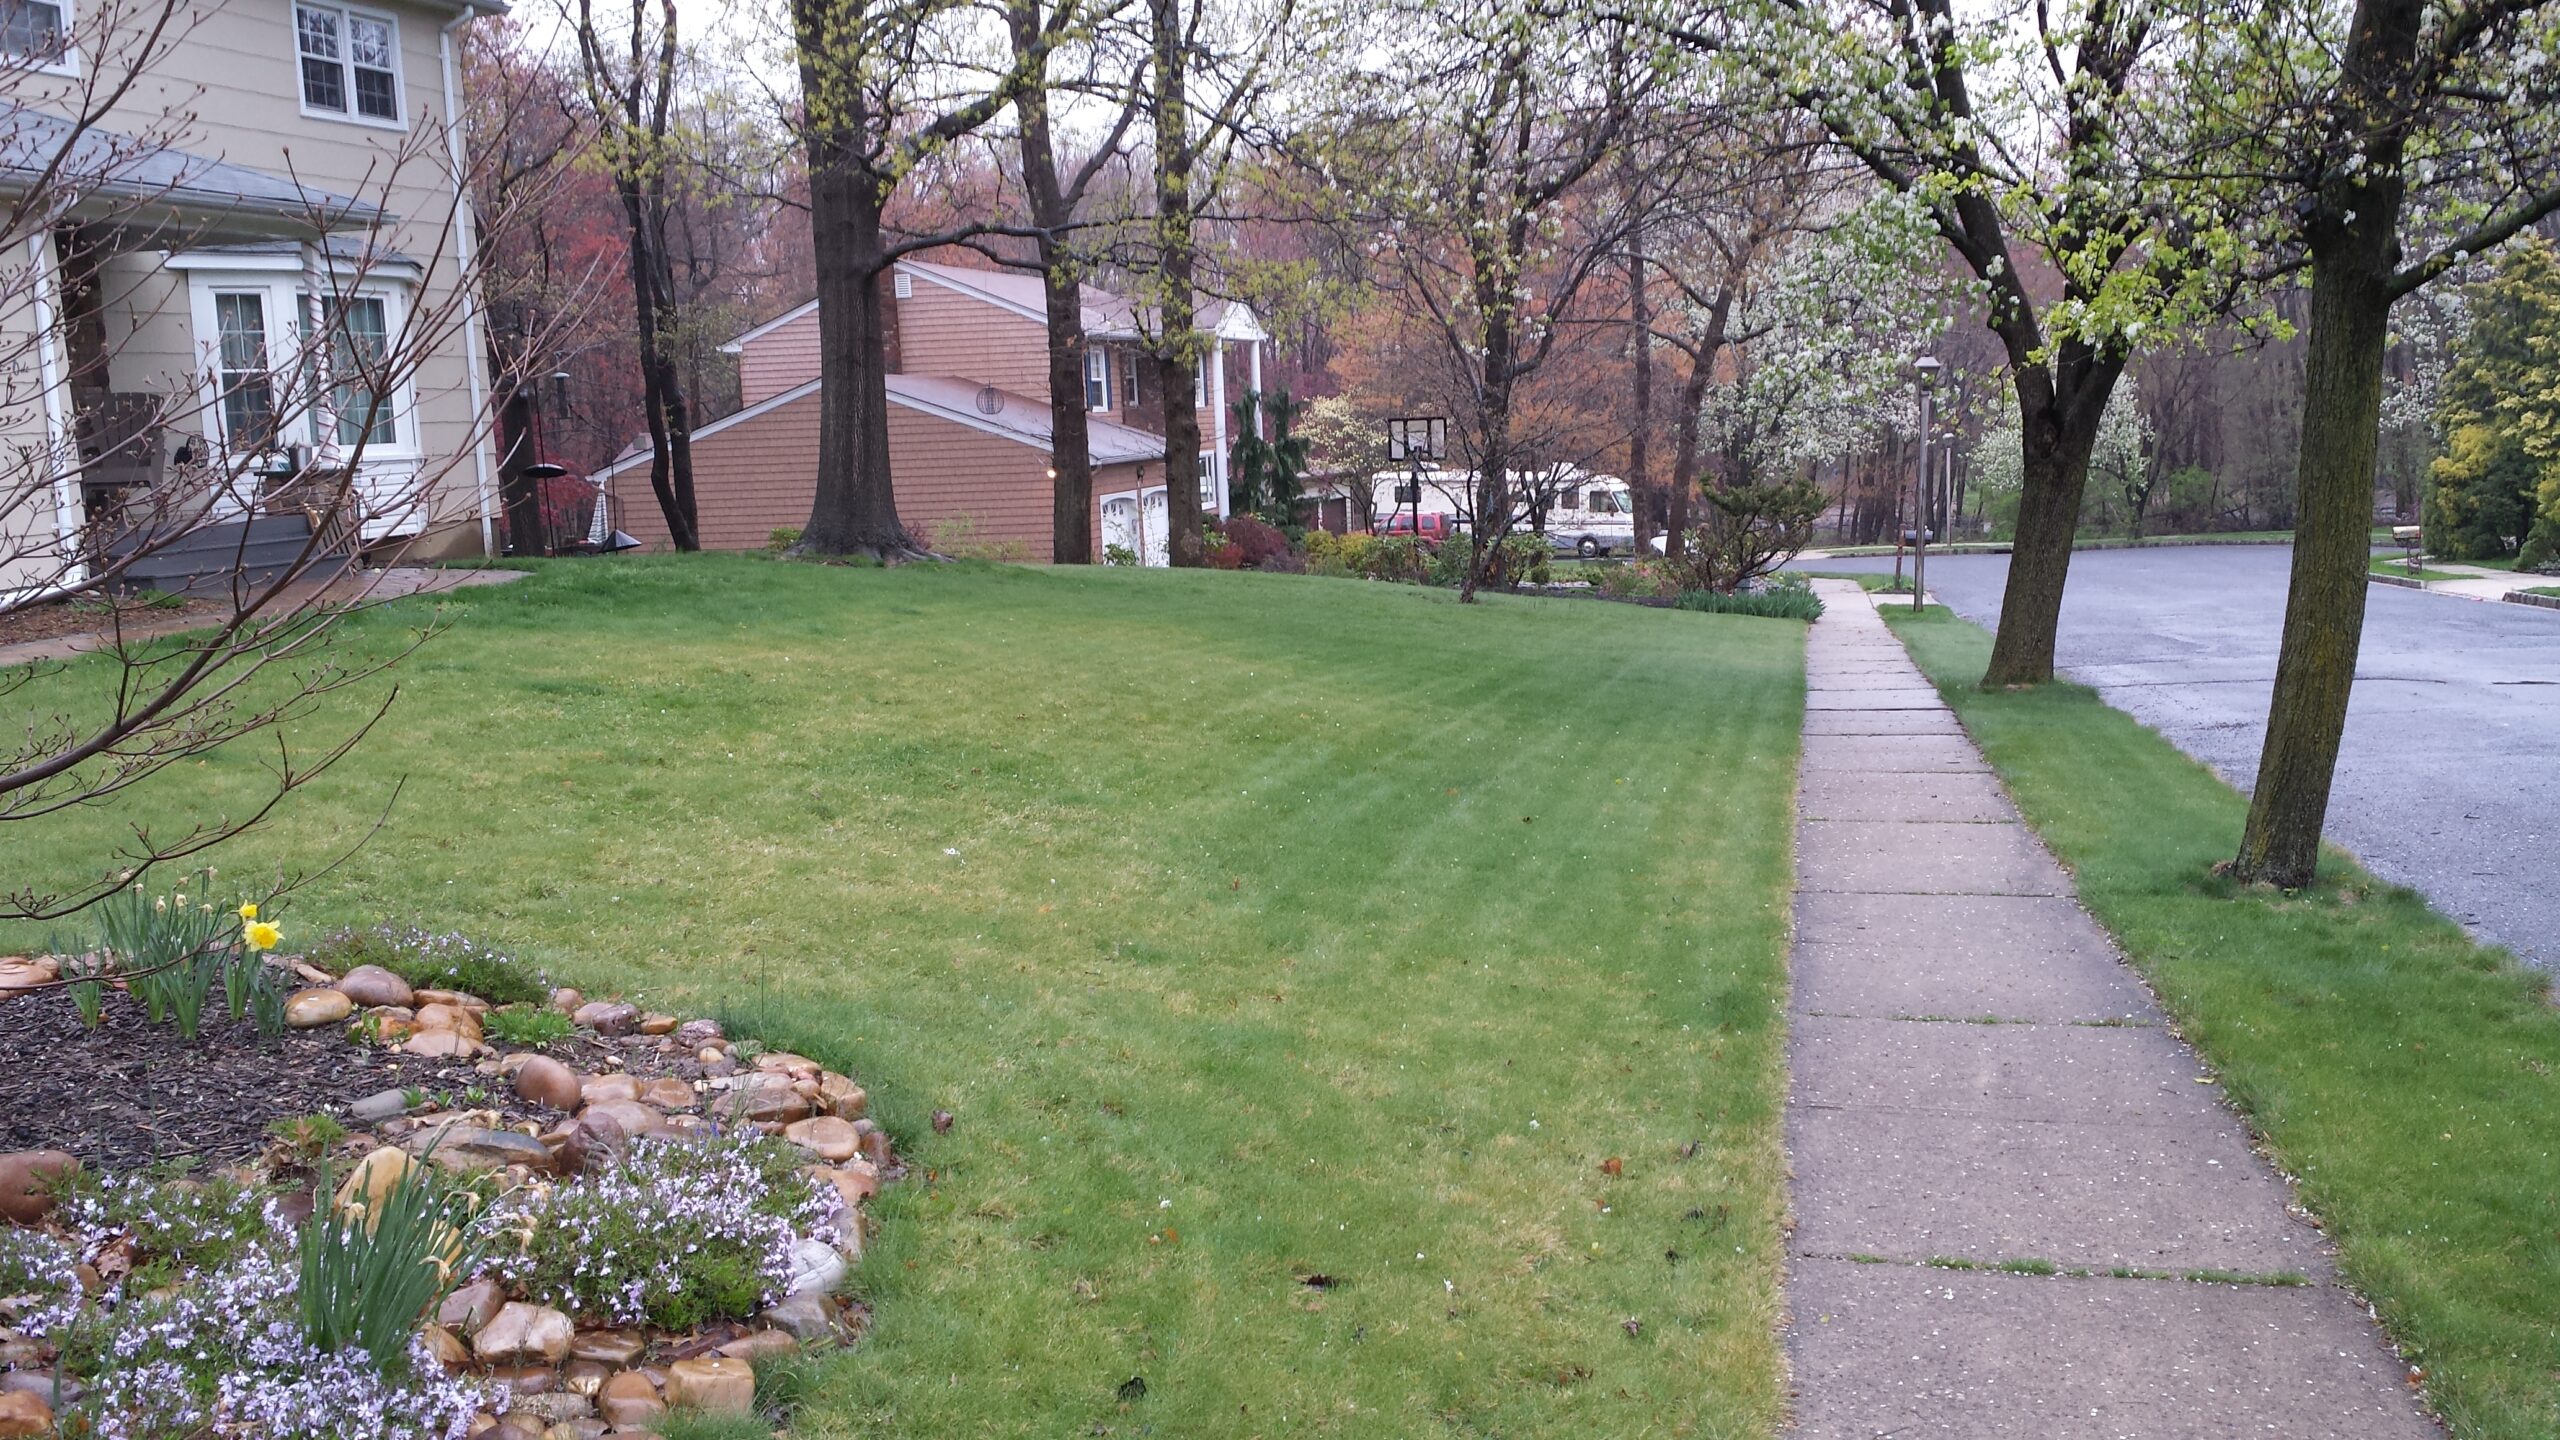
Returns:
point(1925, 372)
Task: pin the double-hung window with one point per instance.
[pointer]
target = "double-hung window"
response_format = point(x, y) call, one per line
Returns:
point(1097, 378)
point(33, 30)
point(360, 392)
point(350, 62)
point(243, 373)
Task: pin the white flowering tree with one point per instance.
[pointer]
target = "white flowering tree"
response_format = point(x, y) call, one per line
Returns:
point(2014, 131)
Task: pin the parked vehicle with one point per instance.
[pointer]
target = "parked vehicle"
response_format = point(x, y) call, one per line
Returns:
point(1592, 518)
point(1434, 528)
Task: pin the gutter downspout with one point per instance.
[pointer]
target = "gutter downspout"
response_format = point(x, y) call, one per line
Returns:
point(466, 255)
point(57, 424)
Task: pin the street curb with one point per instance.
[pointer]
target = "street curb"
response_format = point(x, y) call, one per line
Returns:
point(2403, 581)
point(2518, 597)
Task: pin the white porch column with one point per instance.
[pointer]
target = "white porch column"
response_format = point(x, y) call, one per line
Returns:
point(61, 447)
point(1254, 358)
point(1218, 418)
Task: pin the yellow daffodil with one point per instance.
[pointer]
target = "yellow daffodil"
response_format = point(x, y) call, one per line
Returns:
point(261, 935)
point(249, 911)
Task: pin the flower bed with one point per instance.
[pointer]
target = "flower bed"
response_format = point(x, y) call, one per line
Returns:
point(567, 1237)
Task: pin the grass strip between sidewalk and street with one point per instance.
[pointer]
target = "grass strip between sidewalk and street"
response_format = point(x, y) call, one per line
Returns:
point(2408, 1077)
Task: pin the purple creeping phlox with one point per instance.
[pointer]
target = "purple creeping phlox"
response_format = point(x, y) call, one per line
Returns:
point(624, 1244)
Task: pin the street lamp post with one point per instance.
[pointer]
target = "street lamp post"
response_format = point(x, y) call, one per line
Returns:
point(1926, 369)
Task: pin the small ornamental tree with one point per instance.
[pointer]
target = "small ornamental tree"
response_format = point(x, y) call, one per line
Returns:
point(2496, 489)
point(1264, 474)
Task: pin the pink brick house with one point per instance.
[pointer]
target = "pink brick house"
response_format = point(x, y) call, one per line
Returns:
point(968, 418)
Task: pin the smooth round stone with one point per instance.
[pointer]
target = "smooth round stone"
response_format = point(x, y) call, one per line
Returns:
point(826, 1137)
point(637, 1120)
point(717, 1384)
point(526, 1333)
point(600, 1088)
point(308, 1009)
point(668, 1093)
point(28, 1179)
point(373, 985)
point(546, 1081)
point(440, 1045)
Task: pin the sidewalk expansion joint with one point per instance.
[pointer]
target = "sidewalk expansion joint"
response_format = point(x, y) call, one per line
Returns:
point(2269, 1279)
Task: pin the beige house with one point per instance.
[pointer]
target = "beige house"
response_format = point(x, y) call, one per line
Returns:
point(280, 172)
point(968, 419)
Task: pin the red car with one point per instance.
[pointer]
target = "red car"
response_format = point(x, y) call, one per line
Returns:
point(1434, 530)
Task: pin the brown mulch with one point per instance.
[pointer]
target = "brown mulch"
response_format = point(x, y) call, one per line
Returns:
point(131, 1093)
point(90, 617)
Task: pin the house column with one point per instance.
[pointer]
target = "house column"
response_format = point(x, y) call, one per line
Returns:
point(61, 447)
point(1218, 417)
point(1254, 359)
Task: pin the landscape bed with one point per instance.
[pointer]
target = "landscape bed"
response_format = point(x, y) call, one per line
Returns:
point(2407, 1077)
point(1357, 1014)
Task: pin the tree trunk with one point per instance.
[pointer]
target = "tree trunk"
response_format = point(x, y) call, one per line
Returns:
point(1070, 429)
point(1640, 438)
point(856, 509)
point(1684, 454)
point(2057, 433)
point(1178, 355)
point(2354, 252)
point(661, 387)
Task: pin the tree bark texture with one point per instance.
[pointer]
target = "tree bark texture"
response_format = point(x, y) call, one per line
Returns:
point(1070, 427)
point(1640, 438)
point(855, 512)
point(2355, 250)
point(1178, 355)
point(2058, 436)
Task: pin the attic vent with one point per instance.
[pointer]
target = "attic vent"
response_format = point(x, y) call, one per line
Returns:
point(990, 401)
point(904, 286)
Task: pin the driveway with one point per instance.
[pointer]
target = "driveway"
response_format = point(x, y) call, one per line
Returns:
point(2449, 778)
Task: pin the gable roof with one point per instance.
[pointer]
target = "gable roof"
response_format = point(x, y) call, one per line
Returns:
point(1017, 418)
point(1019, 292)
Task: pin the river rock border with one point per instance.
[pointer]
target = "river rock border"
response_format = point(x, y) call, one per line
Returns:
point(541, 1120)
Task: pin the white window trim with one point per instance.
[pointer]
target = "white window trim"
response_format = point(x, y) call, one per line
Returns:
point(1097, 366)
point(69, 64)
point(347, 66)
point(281, 292)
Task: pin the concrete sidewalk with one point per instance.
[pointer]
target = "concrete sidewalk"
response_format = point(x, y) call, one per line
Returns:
point(1978, 1081)
point(364, 587)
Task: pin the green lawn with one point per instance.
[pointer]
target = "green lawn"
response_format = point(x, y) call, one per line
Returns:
point(2397, 566)
point(2408, 1077)
point(1258, 930)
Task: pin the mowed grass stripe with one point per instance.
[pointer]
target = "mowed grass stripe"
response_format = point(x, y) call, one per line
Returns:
point(1224, 984)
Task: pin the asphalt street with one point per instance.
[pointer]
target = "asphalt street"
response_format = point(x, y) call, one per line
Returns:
point(2449, 778)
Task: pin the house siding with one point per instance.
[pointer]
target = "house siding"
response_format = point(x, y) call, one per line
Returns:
point(760, 475)
point(783, 358)
point(945, 332)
